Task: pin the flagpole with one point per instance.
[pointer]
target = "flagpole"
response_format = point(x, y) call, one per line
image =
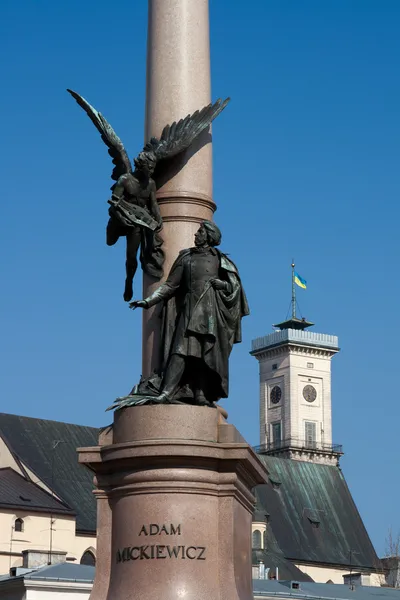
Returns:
point(293, 293)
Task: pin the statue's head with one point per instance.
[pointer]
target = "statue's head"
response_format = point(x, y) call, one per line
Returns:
point(146, 163)
point(208, 233)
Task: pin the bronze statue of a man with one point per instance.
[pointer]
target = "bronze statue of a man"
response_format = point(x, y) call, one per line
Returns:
point(204, 303)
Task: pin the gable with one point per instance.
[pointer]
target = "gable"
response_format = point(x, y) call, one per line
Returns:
point(48, 448)
point(16, 493)
point(7, 459)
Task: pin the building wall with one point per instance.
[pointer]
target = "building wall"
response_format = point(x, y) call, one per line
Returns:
point(7, 459)
point(292, 368)
point(36, 535)
point(53, 590)
point(33, 477)
point(324, 574)
point(57, 591)
point(319, 376)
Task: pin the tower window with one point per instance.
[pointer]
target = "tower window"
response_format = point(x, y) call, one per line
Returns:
point(276, 431)
point(18, 525)
point(310, 434)
point(310, 365)
point(274, 366)
point(257, 539)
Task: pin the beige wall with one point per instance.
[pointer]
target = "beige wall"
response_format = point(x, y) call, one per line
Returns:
point(293, 372)
point(324, 574)
point(44, 590)
point(36, 535)
point(7, 459)
point(58, 590)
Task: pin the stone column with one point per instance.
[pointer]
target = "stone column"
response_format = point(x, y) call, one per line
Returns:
point(178, 84)
point(104, 525)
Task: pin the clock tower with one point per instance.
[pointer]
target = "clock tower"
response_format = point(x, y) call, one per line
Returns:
point(295, 392)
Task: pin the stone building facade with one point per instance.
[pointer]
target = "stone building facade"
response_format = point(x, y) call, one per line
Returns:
point(310, 520)
point(47, 509)
point(295, 394)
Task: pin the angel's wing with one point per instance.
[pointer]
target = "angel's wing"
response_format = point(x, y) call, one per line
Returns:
point(177, 137)
point(115, 147)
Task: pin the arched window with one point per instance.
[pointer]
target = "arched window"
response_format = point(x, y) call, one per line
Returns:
point(88, 558)
point(265, 539)
point(18, 525)
point(257, 539)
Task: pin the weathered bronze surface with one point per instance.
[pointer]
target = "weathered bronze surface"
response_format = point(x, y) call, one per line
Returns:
point(134, 212)
point(204, 303)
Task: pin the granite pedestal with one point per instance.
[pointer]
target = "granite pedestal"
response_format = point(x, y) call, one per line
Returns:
point(177, 482)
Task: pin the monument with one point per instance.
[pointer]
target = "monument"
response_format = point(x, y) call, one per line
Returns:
point(174, 480)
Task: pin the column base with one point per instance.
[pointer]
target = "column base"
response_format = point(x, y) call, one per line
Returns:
point(179, 484)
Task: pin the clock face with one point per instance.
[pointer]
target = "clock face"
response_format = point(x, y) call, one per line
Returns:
point(276, 394)
point(310, 393)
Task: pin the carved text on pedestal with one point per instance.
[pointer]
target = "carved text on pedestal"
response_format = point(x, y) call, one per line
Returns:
point(159, 551)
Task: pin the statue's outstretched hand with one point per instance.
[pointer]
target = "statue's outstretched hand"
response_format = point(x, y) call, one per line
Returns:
point(138, 304)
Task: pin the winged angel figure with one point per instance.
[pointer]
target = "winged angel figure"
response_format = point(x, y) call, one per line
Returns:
point(134, 211)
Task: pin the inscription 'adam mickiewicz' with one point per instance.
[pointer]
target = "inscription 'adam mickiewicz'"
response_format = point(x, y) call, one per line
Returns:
point(158, 551)
point(154, 529)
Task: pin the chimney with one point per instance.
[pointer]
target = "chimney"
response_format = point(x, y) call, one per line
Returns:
point(31, 559)
point(354, 579)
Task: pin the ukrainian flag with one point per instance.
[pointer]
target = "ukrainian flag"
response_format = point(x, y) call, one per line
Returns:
point(300, 281)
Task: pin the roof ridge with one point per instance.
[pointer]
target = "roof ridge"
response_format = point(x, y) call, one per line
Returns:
point(46, 420)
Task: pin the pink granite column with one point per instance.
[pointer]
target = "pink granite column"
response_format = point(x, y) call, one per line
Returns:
point(178, 83)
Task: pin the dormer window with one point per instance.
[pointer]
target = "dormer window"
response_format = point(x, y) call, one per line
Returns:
point(313, 517)
point(314, 524)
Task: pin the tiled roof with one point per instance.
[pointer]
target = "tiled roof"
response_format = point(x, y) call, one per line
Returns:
point(64, 572)
point(313, 516)
point(320, 591)
point(59, 572)
point(18, 493)
point(48, 448)
point(278, 565)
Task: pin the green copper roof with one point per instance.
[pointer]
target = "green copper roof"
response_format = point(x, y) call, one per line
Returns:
point(313, 516)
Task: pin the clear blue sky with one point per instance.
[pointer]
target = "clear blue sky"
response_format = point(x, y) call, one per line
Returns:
point(306, 163)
